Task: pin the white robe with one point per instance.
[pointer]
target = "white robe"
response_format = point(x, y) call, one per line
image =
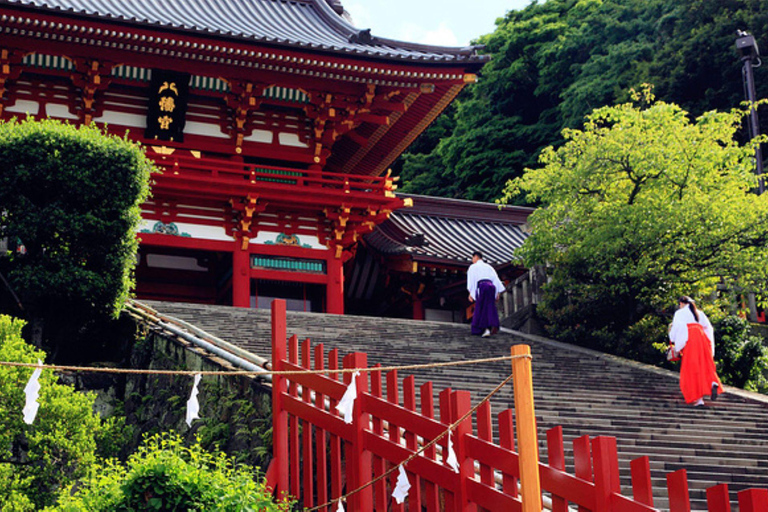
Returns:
point(479, 271)
point(678, 334)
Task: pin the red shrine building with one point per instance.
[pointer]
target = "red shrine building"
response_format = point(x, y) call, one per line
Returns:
point(273, 122)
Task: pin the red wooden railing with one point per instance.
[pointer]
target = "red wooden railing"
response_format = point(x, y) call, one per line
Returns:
point(318, 458)
point(208, 170)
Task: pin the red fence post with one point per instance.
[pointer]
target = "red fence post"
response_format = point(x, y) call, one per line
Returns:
point(431, 497)
point(306, 436)
point(293, 424)
point(358, 459)
point(409, 402)
point(393, 396)
point(556, 459)
point(642, 489)
point(279, 387)
point(379, 464)
point(446, 418)
point(460, 405)
point(606, 466)
point(582, 460)
point(335, 442)
point(717, 499)
point(677, 487)
point(507, 440)
point(753, 500)
point(320, 438)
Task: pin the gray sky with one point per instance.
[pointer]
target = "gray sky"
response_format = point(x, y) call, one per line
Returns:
point(437, 22)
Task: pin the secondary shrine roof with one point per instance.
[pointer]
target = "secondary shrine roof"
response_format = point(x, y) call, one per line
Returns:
point(307, 24)
point(441, 230)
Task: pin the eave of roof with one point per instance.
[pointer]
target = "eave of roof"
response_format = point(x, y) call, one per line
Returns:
point(452, 229)
point(307, 24)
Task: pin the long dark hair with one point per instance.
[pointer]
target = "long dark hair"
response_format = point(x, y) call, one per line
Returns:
point(691, 305)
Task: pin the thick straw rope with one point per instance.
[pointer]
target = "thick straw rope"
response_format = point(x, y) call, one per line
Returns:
point(91, 369)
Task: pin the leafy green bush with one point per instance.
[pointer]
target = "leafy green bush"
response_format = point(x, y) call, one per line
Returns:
point(741, 356)
point(165, 475)
point(58, 448)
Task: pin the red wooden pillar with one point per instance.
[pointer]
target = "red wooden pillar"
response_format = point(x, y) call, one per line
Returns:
point(334, 291)
point(279, 388)
point(241, 274)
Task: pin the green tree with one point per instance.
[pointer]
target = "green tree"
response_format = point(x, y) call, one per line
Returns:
point(72, 197)
point(641, 206)
point(165, 475)
point(59, 446)
point(555, 61)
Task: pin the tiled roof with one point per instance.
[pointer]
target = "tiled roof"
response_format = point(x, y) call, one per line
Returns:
point(310, 24)
point(443, 230)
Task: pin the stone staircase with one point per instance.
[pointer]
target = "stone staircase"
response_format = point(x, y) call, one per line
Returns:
point(586, 392)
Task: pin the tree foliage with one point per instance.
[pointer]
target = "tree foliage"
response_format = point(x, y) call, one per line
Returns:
point(555, 61)
point(165, 475)
point(641, 206)
point(72, 197)
point(60, 445)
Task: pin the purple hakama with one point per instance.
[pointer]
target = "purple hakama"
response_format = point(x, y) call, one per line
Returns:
point(485, 316)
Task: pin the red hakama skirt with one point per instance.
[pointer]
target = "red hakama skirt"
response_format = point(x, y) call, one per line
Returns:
point(697, 370)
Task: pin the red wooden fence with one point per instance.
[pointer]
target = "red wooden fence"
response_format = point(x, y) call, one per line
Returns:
point(318, 457)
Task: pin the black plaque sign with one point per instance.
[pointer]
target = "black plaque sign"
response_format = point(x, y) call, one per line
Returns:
point(167, 105)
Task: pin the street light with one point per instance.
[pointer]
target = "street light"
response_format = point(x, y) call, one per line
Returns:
point(750, 57)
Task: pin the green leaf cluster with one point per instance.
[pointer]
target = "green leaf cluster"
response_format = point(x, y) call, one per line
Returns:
point(71, 196)
point(641, 206)
point(555, 61)
point(58, 448)
point(167, 476)
point(741, 356)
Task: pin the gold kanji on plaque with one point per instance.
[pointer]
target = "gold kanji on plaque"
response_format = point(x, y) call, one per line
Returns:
point(167, 103)
point(169, 86)
point(164, 122)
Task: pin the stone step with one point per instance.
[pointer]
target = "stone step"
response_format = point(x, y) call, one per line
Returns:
point(581, 390)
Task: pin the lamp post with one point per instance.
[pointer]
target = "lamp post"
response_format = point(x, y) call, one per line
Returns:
point(750, 58)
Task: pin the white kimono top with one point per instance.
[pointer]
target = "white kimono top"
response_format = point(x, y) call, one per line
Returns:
point(678, 334)
point(479, 271)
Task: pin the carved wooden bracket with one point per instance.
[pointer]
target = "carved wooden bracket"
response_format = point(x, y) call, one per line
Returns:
point(334, 116)
point(245, 97)
point(91, 76)
point(10, 69)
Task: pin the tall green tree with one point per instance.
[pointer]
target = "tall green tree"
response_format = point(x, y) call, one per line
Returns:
point(555, 61)
point(641, 206)
point(72, 197)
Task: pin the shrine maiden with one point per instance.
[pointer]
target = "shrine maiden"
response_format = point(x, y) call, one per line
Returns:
point(694, 340)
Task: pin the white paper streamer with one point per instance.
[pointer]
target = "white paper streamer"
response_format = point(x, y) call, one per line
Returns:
point(340, 508)
point(32, 390)
point(401, 489)
point(193, 406)
point(452, 460)
point(347, 403)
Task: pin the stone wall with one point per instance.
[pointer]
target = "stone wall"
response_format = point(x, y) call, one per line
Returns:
point(235, 411)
